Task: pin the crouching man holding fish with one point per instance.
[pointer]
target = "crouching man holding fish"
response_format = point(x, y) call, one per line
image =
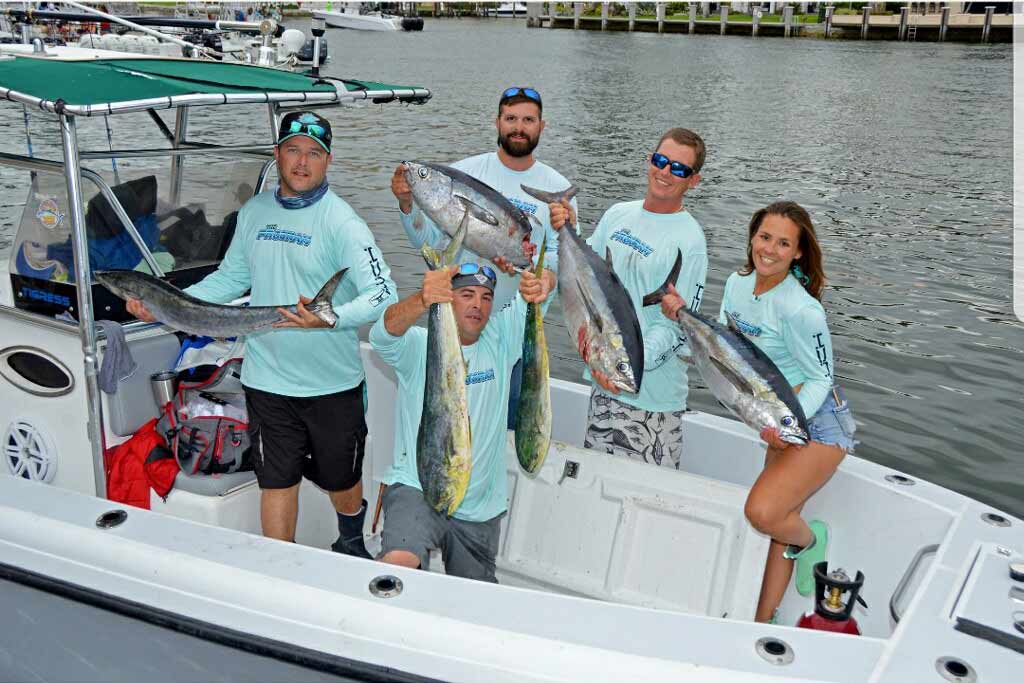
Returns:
point(303, 385)
point(643, 240)
point(468, 534)
point(775, 302)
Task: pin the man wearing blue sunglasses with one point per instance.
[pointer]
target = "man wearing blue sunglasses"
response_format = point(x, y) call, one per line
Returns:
point(643, 238)
point(519, 124)
point(490, 346)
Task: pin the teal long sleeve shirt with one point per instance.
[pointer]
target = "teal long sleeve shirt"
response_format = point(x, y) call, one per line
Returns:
point(280, 253)
point(789, 325)
point(643, 248)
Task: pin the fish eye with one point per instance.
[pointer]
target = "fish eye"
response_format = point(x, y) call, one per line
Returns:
point(423, 172)
point(787, 421)
point(622, 367)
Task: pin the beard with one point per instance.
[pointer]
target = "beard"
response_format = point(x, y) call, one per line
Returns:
point(518, 148)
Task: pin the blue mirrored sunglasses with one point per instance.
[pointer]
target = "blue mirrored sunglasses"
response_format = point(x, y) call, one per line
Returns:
point(474, 268)
point(313, 129)
point(676, 168)
point(529, 92)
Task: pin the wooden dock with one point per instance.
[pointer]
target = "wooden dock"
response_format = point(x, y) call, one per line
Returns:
point(936, 27)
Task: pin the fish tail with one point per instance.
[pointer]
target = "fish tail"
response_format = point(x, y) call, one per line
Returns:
point(322, 306)
point(551, 197)
point(540, 256)
point(657, 295)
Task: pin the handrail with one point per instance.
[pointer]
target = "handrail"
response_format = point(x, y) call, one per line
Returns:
point(261, 151)
point(905, 579)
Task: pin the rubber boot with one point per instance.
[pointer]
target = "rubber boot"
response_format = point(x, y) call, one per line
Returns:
point(807, 557)
point(350, 539)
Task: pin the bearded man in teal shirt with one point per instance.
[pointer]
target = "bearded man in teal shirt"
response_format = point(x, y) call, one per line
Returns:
point(303, 384)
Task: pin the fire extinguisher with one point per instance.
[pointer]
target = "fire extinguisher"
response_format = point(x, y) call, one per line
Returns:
point(831, 613)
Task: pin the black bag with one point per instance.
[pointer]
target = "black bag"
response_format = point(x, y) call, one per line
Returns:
point(206, 425)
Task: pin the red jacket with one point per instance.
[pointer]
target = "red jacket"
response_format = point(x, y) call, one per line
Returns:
point(139, 463)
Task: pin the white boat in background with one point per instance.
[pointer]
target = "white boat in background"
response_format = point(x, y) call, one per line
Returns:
point(508, 9)
point(353, 17)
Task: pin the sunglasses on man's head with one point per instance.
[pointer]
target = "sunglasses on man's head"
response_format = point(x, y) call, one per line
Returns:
point(312, 129)
point(474, 268)
point(676, 168)
point(529, 92)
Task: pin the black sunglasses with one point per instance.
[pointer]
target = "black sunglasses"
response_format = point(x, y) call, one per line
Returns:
point(676, 168)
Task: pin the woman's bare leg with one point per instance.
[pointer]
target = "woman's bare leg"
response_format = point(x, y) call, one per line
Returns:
point(773, 507)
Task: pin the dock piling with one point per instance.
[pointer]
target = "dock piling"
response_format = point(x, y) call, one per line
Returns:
point(660, 11)
point(577, 10)
point(989, 10)
point(829, 11)
point(724, 21)
point(943, 24)
point(865, 22)
point(632, 14)
point(904, 16)
point(755, 20)
point(604, 16)
point(787, 17)
point(693, 18)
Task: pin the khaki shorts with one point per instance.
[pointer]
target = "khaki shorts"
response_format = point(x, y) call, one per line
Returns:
point(410, 524)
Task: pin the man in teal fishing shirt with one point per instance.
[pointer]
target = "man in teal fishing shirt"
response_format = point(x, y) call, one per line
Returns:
point(644, 238)
point(304, 384)
point(490, 346)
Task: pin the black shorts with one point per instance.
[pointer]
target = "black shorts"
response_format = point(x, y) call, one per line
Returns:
point(319, 437)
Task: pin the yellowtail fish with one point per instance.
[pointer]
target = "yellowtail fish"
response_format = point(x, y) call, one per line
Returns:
point(444, 450)
point(533, 419)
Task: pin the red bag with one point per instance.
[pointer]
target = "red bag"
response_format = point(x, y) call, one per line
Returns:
point(140, 463)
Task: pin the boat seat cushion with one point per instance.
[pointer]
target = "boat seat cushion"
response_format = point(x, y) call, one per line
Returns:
point(132, 405)
point(212, 484)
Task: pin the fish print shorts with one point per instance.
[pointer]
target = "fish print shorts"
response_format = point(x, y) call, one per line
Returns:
point(621, 429)
point(833, 424)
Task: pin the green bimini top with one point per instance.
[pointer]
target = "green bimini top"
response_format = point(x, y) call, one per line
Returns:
point(98, 87)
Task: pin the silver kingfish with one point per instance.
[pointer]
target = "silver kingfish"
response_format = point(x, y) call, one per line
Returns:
point(184, 312)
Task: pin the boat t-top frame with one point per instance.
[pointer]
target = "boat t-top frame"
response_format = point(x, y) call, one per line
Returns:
point(82, 83)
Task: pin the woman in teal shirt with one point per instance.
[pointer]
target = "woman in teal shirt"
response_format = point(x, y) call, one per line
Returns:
point(775, 300)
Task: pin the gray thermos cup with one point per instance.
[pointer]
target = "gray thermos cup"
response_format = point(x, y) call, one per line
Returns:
point(163, 384)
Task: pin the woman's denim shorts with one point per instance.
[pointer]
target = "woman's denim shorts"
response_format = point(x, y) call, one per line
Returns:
point(833, 424)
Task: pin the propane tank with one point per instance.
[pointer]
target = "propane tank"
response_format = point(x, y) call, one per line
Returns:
point(831, 613)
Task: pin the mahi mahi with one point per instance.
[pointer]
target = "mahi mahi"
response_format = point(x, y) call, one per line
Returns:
point(496, 226)
point(533, 416)
point(444, 451)
point(598, 311)
point(740, 375)
point(184, 312)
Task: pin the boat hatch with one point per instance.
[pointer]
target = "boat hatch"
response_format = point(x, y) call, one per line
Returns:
point(186, 237)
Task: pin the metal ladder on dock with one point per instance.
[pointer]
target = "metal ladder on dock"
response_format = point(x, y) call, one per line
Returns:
point(912, 32)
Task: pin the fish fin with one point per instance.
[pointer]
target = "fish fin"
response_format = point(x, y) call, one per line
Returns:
point(452, 250)
point(730, 322)
point(656, 296)
point(431, 256)
point(688, 359)
point(535, 223)
point(321, 306)
point(478, 212)
point(591, 308)
point(540, 256)
point(608, 258)
point(733, 378)
point(551, 197)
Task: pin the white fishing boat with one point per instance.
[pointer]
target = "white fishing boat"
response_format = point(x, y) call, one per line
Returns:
point(354, 17)
point(509, 10)
point(610, 569)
